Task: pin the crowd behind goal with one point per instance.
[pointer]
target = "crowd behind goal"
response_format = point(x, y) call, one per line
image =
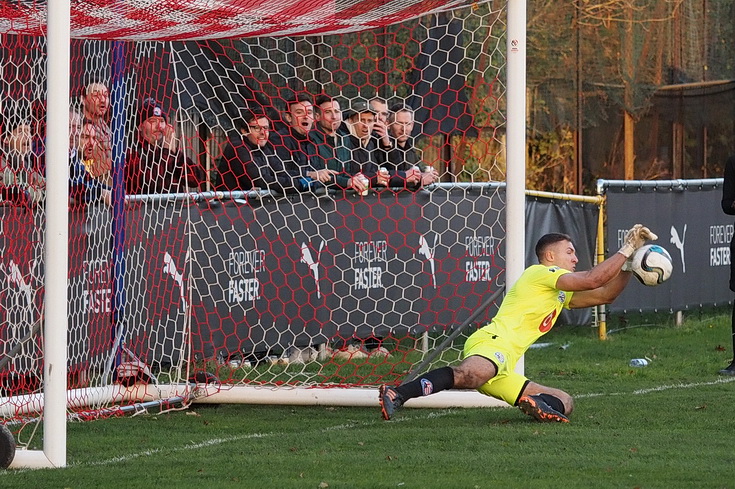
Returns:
point(315, 142)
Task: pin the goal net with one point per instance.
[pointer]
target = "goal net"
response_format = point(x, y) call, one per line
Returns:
point(189, 281)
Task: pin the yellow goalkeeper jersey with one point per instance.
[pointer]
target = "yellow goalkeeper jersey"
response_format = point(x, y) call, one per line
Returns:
point(530, 308)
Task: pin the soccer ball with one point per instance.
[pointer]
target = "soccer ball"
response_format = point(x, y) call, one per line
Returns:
point(651, 264)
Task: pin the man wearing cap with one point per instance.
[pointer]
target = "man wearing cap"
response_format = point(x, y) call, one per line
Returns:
point(298, 153)
point(155, 164)
point(364, 145)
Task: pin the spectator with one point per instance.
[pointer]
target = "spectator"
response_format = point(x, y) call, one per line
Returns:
point(380, 129)
point(250, 161)
point(21, 180)
point(83, 188)
point(332, 142)
point(403, 159)
point(364, 145)
point(96, 107)
point(299, 154)
point(155, 164)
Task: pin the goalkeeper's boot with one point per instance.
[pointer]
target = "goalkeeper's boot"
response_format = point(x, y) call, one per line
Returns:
point(535, 407)
point(729, 370)
point(390, 401)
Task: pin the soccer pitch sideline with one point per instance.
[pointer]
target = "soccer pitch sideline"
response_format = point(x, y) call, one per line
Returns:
point(667, 425)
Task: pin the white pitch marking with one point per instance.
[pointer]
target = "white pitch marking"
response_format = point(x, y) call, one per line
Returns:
point(724, 380)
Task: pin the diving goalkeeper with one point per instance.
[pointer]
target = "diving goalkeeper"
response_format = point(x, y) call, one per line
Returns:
point(528, 311)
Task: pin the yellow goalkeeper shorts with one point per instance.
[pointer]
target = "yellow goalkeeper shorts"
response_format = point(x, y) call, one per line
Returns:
point(507, 385)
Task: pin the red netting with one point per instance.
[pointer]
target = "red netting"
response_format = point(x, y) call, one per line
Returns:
point(217, 19)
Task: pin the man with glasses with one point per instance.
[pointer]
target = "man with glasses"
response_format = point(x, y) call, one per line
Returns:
point(249, 161)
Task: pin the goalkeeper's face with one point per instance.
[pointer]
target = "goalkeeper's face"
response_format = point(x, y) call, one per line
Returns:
point(561, 254)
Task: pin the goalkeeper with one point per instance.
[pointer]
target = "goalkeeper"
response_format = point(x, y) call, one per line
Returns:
point(528, 311)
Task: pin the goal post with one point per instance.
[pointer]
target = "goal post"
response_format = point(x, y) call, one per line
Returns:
point(167, 295)
point(56, 256)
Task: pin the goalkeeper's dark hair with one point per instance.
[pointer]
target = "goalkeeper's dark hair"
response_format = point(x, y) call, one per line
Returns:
point(547, 240)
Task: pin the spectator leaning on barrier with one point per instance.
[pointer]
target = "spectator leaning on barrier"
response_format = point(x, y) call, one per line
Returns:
point(403, 158)
point(96, 107)
point(728, 206)
point(298, 153)
point(333, 143)
point(155, 164)
point(249, 161)
point(364, 145)
point(83, 187)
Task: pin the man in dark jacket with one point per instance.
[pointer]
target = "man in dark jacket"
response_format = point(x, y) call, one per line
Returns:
point(404, 162)
point(298, 153)
point(367, 156)
point(333, 143)
point(156, 164)
point(249, 160)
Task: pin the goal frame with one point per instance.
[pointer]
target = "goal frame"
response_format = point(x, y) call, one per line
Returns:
point(56, 255)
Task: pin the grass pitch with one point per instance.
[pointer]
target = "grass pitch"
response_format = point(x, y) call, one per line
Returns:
point(667, 425)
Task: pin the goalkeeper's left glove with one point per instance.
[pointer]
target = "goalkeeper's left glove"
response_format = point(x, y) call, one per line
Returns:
point(635, 238)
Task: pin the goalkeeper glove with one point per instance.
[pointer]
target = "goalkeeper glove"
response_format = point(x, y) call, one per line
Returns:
point(635, 238)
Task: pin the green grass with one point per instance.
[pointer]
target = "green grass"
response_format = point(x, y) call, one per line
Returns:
point(668, 425)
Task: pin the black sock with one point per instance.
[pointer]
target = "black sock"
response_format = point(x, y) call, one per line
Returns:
point(428, 383)
point(553, 401)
